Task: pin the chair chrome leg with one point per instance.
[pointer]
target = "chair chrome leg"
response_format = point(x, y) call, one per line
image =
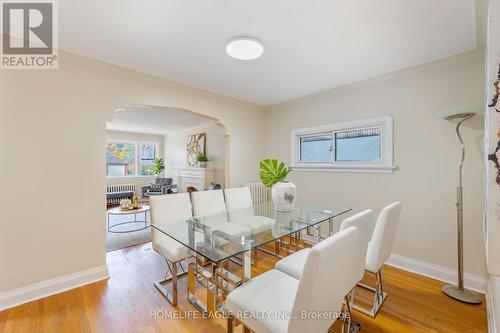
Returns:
point(352, 326)
point(173, 269)
point(346, 319)
point(230, 324)
point(378, 297)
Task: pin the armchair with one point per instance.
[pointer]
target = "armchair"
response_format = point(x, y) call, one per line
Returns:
point(159, 187)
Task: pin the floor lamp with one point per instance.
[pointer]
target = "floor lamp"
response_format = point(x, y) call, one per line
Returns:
point(460, 114)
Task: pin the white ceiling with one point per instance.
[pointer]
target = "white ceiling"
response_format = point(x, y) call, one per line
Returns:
point(310, 45)
point(155, 120)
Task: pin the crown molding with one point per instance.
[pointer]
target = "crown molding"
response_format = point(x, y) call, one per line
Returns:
point(449, 61)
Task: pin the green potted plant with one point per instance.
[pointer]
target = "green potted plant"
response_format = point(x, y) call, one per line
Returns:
point(159, 166)
point(202, 160)
point(273, 175)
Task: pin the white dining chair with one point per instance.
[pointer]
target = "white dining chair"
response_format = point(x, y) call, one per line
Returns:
point(238, 198)
point(167, 209)
point(240, 208)
point(379, 250)
point(206, 203)
point(284, 300)
point(210, 206)
point(294, 264)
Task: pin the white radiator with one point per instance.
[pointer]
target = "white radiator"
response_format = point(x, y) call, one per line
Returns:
point(120, 187)
point(260, 193)
point(114, 188)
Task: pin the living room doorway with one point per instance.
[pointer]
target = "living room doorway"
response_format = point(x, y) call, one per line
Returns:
point(152, 150)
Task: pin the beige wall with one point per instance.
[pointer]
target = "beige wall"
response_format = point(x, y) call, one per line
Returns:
point(425, 149)
point(175, 151)
point(138, 181)
point(52, 137)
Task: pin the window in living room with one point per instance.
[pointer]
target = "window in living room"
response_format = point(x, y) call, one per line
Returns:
point(351, 146)
point(120, 159)
point(130, 159)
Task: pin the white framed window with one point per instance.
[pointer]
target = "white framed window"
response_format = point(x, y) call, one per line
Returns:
point(361, 145)
point(126, 158)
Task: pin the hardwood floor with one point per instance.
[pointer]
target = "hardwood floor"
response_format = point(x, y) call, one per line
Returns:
point(128, 302)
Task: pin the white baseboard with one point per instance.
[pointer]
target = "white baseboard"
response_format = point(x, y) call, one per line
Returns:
point(50, 287)
point(445, 274)
point(492, 303)
point(490, 309)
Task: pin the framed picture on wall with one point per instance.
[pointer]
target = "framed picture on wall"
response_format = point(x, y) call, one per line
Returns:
point(196, 144)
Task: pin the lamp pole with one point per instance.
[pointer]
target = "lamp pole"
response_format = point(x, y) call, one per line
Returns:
point(459, 292)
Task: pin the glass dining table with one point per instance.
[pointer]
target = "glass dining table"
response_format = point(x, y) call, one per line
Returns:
point(236, 235)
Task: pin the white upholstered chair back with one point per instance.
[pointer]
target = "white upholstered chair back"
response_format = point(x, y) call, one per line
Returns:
point(170, 208)
point(206, 203)
point(167, 209)
point(239, 202)
point(324, 280)
point(238, 198)
point(380, 246)
point(364, 222)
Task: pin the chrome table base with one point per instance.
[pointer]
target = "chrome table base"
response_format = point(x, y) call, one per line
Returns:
point(217, 280)
point(111, 227)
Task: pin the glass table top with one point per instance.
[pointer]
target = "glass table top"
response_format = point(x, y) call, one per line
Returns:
point(222, 236)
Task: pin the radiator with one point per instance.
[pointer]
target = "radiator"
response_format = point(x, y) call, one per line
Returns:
point(120, 187)
point(113, 188)
point(260, 193)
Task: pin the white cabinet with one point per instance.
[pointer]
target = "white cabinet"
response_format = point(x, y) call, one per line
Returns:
point(198, 178)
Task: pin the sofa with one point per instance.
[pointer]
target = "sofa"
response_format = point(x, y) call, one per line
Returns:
point(160, 186)
point(113, 198)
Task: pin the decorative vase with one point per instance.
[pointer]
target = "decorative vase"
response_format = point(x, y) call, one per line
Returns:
point(203, 164)
point(284, 195)
point(135, 201)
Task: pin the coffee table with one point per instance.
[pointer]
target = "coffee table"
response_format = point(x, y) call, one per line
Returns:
point(117, 211)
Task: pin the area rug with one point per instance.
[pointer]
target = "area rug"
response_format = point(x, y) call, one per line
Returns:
point(115, 241)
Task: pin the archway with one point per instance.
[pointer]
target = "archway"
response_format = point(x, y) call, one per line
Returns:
point(136, 137)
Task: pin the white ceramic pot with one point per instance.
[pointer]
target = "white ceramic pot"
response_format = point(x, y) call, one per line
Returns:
point(203, 164)
point(284, 195)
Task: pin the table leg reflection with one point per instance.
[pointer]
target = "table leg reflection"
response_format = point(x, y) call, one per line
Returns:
point(196, 275)
point(217, 280)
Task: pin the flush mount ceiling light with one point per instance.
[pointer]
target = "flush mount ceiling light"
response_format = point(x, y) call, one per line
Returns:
point(244, 48)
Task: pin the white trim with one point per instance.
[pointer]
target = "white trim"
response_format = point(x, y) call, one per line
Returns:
point(490, 309)
point(125, 177)
point(366, 169)
point(386, 146)
point(492, 302)
point(445, 274)
point(11, 298)
point(476, 53)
